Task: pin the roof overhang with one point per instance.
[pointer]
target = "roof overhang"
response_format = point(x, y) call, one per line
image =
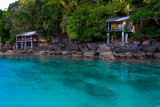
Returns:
point(27, 33)
point(118, 19)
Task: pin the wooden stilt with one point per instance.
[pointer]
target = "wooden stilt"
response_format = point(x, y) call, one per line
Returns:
point(126, 38)
point(122, 38)
point(31, 43)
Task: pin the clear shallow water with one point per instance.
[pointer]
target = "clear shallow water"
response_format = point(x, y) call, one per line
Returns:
point(34, 81)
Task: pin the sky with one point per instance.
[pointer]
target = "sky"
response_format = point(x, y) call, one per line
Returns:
point(5, 3)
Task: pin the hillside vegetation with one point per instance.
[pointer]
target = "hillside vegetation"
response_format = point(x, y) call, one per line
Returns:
point(82, 20)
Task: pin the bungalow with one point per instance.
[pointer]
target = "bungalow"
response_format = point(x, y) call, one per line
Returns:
point(120, 24)
point(27, 39)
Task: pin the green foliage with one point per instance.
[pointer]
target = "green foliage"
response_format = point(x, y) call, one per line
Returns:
point(153, 32)
point(87, 22)
point(4, 33)
point(49, 19)
point(82, 20)
point(147, 18)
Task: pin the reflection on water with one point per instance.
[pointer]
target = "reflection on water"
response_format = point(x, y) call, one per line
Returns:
point(56, 81)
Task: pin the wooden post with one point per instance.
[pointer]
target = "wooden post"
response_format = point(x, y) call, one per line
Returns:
point(126, 38)
point(31, 42)
point(123, 33)
point(22, 43)
point(108, 36)
point(25, 43)
point(122, 38)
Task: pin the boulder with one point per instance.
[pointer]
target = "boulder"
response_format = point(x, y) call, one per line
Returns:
point(133, 48)
point(103, 48)
point(85, 49)
point(158, 47)
point(42, 48)
point(89, 54)
point(147, 42)
point(91, 46)
point(77, 53)
point(66, 53)
point(56, 47)
point(127, 55)
point(137, 43)
point(54, 41)
point(157, 55)
point(149, 54)
point(50, 48)
point(58, 52)
point(149, 48)
point(10, 52)
point(1, 53)
point(139, 55)
point(106, 56)
point(40, 53)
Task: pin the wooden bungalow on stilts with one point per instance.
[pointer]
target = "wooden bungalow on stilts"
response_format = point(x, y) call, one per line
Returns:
point(27, 40)
point(120, 24)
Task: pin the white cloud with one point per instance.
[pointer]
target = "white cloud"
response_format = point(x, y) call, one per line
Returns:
point(5, 3)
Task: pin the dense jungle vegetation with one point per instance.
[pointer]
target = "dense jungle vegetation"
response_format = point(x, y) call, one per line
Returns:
point(82, 20)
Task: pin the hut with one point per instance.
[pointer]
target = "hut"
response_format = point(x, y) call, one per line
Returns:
point(120, 24)
point(27, 39)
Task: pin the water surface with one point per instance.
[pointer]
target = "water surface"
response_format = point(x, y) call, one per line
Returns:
point(57, 81)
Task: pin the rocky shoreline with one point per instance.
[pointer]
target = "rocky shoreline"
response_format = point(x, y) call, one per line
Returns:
point(134, 50)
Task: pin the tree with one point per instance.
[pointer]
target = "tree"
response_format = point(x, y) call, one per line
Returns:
point(49, 19)
point(4, 33)
point(147, 18)
point(88, 22)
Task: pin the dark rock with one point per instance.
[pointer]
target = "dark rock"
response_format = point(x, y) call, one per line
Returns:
point(54, 41)
point(149, 48)
point(89, 54)
point(66, 53)
point(42, 48)
point(41, 52)
point(56, 47)
point(158, 47)
point(85, 49)
point(91, 46)
point(103, 48)
point(50, 48)
point(140, 55)
point(58, 52)
point(147, 42)
point(149, 54)
point(136, 43)
point(127, 55)
point(133, 48)
point(157, 55)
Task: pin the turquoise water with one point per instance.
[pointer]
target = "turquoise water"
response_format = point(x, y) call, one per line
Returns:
point(56, 81)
